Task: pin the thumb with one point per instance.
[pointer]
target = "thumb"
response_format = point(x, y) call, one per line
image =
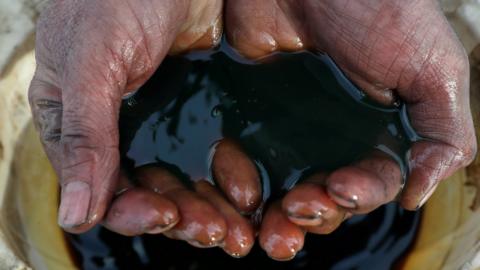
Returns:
point(78, 128)
point(89, 147)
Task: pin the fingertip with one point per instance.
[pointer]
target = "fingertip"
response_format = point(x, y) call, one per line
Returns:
point(429, 163)
point(416, 201)
point(426, 196)
point(343, 188)
point(240, 236)
point(73, 212)
point(280, 238)
point(138, 210)
point(365, 185)
point(308, 204)
point(200, 224)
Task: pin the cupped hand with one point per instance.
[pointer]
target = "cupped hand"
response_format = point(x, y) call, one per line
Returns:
point(89, 55)
point(391, 49)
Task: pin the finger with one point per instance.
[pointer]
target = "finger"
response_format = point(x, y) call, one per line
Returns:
point(200, 224)
point(137, 210)
point(308, 204)
point(76, 139)
point(240, 235)
point(365, 185)
point(237, 176)
point(279, 237)
point(257, 28)
point(202, 28)
point(439, 106)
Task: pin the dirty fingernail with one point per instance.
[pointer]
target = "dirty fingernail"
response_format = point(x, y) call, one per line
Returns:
point(74, 204)
point(158, 229)
point(306, 220)
point(426, 196)
point(199, 244)
point(350, 203)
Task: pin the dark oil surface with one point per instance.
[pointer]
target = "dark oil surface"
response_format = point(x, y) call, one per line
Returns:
point(293, 114)
point(371, 242)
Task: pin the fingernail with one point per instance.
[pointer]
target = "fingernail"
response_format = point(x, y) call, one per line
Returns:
point(315, 215)
point(306, 220)
point(74, 204)
point(199, 244)
point(235, 254)
point(159, 228)
point(350, 203)
point(426, 196)
point(211, 242)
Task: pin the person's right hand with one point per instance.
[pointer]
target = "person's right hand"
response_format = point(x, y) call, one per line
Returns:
point(89, 55)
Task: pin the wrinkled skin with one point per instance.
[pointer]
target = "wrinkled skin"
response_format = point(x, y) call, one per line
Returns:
point(91, 53)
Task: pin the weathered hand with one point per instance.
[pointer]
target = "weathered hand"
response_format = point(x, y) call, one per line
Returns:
point(89, 54)
point(390, 49)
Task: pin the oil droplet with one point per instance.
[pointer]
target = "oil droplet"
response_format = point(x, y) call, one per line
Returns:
point(273, 153)
point(131, 102)
point(216, 111)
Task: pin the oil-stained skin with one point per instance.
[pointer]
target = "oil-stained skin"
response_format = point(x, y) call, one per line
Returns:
point(90, 53)
point(160, 216)
point(201, 224)
point(237, 176)
point(278, 236)
point(240, 235)
point(390, 49)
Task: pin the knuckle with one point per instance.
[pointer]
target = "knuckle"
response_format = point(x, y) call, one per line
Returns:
point(47, 119)
point(83, 131)
point(79, 133)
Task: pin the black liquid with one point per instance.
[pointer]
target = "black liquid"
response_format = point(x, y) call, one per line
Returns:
point(293, 114)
